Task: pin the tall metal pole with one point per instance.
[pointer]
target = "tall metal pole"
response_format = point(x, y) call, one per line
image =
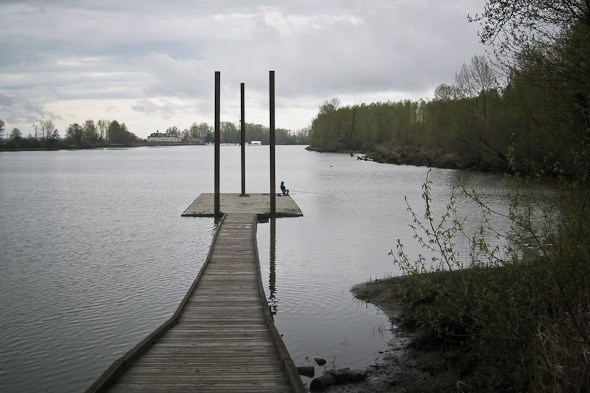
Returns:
point(273, 194)
point(243, 137)
point(217, 143)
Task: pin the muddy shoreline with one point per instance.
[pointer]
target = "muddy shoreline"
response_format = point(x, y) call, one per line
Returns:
point(403, 368)
point(420, 157)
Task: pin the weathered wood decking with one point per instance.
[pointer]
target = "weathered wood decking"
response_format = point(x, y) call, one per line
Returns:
point(222, 337)
point(235, 203)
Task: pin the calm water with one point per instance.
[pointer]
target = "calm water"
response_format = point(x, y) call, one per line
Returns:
point(94, 253)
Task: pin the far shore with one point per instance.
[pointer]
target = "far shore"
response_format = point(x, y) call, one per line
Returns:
point(91, 147)
point(416, 157)
point(6, 148)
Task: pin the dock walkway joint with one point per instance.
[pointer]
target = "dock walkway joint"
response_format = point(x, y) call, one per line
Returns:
point(221, 338)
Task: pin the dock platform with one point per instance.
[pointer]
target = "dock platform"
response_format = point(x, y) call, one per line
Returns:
point(221, 338)
point(235, 203)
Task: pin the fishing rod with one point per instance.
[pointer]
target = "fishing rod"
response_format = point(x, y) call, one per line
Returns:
point(309, 192)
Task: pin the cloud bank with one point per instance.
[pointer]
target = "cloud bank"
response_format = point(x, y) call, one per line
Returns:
point(151, 64)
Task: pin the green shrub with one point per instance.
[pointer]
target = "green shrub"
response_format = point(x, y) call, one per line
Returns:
point(508, 320)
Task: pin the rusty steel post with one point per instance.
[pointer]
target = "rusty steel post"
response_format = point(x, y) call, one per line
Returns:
point(243, 137)
point(273, 193)
point(217, 143)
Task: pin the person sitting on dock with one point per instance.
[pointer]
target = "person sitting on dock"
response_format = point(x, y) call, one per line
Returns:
point(284, 189)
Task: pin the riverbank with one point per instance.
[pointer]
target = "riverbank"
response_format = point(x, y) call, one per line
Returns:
point(421, 157)
point(505, 328)
point(51, 147)
point(404, 368)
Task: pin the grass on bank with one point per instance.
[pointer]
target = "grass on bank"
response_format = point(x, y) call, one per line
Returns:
point(501, 322)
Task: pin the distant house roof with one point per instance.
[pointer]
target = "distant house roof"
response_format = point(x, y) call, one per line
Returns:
point(160, 137)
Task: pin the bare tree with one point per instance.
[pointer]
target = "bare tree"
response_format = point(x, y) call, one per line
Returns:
point(476, 80)
point(465, 83)
point(444, 92)
point(484, 78)
point(511, 27)
point(483, 74)
point(46, 127)
point(103, 126)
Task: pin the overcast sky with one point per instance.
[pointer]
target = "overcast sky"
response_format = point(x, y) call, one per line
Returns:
point(151, 63)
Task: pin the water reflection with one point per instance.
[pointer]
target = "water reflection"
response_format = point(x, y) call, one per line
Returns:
point(272, 276)
point(95, 256)
point(89, 272)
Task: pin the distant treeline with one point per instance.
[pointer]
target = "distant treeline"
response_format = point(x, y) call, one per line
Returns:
point(230, 133)
point(537, 122)
point(105, 133)
point(90, 134)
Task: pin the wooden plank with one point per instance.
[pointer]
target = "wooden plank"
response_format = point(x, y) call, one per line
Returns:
point(200, 389)
point(222, 340)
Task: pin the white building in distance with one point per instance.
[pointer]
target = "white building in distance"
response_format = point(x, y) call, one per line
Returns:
point(158, 137)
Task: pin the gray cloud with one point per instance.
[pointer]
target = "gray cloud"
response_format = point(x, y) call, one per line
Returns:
point(165, 108)
point(18, 111)
point(142, 53)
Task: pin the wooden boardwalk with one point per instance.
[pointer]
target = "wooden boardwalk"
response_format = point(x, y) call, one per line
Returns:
point(221, 338)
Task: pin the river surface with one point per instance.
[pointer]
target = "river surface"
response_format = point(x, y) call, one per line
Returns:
point(94, 254)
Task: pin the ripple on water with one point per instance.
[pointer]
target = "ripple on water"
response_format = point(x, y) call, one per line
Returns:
point(95, 255)
point(86, 271)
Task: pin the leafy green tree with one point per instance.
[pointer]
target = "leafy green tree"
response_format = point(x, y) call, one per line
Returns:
point(229, 132)
point(256, 132)
point(54, 141)
point(282, 136)
point(202, 133)
point(2, 124)
point(302, 136)
point(121, 134)
point(16, 134)
point(441, 114)
point(115, 133)
point(185, 136)
point(545, 47)
point(75, 134)
point(327, 128)
point(193, 132)
point(90, 132)
point(173, 131)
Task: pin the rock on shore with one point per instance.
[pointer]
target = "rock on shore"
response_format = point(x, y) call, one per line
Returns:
point(403, 367)
point(339, 376)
